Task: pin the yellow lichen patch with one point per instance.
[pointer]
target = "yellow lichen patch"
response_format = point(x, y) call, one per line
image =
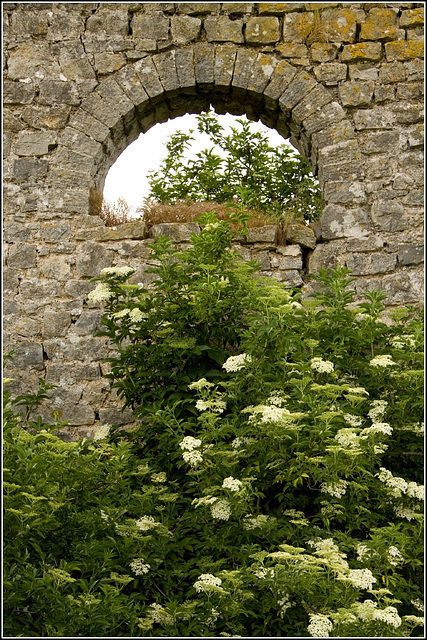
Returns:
point(381, 24)
point(404, 49)
point(361, 51)
point(412, 17)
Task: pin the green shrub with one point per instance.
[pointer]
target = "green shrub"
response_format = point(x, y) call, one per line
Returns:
point(271, 487)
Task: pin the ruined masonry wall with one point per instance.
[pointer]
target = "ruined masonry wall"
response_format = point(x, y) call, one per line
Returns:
point(344, 81)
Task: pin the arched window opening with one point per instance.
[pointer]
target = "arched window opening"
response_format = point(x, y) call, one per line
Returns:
point(204, 162)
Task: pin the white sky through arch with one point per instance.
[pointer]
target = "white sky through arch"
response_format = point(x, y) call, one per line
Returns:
point(128, 176)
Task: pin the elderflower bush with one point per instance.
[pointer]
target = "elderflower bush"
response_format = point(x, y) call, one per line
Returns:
point(268, 497)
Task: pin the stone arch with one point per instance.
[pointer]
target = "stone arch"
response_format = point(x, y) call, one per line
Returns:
point(82, 80)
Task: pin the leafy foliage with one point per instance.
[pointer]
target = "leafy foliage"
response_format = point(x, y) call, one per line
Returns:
point(241, 165)
point(270, 486)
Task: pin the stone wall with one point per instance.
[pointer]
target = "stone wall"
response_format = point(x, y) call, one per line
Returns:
point(344, 81)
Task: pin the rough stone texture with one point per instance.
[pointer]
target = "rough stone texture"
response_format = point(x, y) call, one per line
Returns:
point(81, 81)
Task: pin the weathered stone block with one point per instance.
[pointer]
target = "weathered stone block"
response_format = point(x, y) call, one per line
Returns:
point(261, 73)
point(58, 232)
point(55, 323)
point(109, 62)
point(362, 72)
point(155, 27)
point(384, 93)
point(279, 81)
point(323, 52)
point(91, 259)
point(26, 168)
point(404, 50)
point(297, 26)
point(88, 323)
point(222, 29)
point(338, 222)
point(245, 62)
point(381, 142)
point(113, 21)
point(412, 17)
point(165, 65)
point(316, 99)
point(225, 56)
point(292, 50)
point(195, 8)
point(331, 73)
point(33, 23)
point(327, 256)
point(114, 416)
point(267, 233)
point(135, 230)
point(362, 52)
point(378, 118)
point(344, 193)
point(149, 77)
point(416, 136)
point(176, 232)
point(35, 144)
point(392, 72)
point(410, 254)
point(300, 234)
point(356, 93)
point(18, 92)
point(338, 25)
point(22, 256)
point(204, 56)
point(262, 30)
point(389, 215)
point(28, 355)
point(185, 29)
point(330, 114)
point(301, 84)
point(55, 267)
point(371, 264)
point(287, 260)
point(381, 24)
point(237, 8)
point(279, 8)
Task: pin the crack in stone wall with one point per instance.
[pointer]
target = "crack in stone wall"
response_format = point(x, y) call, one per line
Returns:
point(82, 80)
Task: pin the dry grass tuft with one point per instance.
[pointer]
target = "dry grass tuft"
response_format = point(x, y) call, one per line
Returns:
point(188, 211)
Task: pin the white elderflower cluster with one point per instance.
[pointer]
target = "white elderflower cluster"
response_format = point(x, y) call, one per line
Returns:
point(368, 611)
point(102, 432)
point(201, 384)
point(276, 398)
point(240, 442)
point(358, 390)
point(117, 271)
point(335, 489)
point(418, 604)
point(403, 341)
point(159, 477)
point(319, 626)
point(404, 512)
point(104, 515)
point(213, 617)
point(101, 293)
point(254, 522)
point(416, 621)
point(159, 614)
point(363, 552)
point(136, 315)
point(221, 510)
point(232, 484)
point(121, 314)
point(348, 439)
point(352, 420)
point(322, 366)
point(189, 443)
point(192, 457)
point(379, 427)
point(359, 578)
point(205, 500)
point(377, 409)
point(285, 602)
point(139, 566)
point(217, 406)
point(206, 581)
point(415, 490)
point(329, 550)
point(398, 485)
point(269, 413)
point(235, 363)
point(394, 556)
point(145, 523)
point(382, 361)
point(262, 573)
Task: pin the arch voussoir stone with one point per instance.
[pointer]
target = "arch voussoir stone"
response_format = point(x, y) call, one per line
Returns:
point(349, 95)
